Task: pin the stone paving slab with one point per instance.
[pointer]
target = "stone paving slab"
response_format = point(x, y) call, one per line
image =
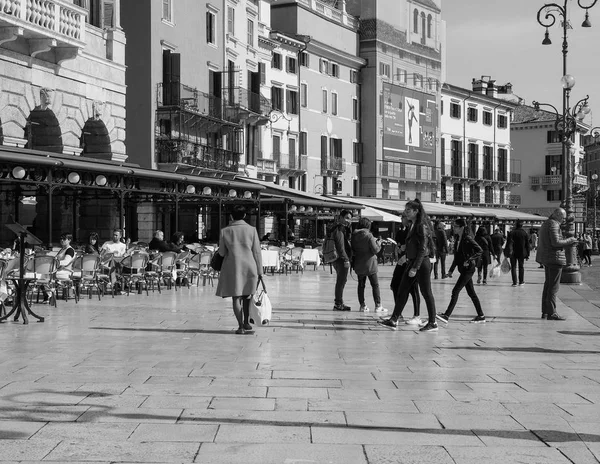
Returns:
point(386, 454)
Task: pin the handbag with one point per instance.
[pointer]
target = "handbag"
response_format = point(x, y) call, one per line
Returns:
point(505, 267)
point(260, 306)
point(216, 262)
point(495, 272)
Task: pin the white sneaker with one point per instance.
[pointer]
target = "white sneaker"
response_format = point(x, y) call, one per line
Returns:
point(364, 309)
point(414, 321)
point(380, 309)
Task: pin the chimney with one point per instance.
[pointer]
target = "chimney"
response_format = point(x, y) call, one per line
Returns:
point(492, 90)
point(479, 86)
point(505, 89)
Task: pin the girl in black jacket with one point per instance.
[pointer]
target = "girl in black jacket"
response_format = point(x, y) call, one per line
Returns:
point(466, 254)
point(484, 240)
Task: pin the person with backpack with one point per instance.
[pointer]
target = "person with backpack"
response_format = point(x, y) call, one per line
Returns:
point(340, 234)
point(419, 248)
point(364, 251)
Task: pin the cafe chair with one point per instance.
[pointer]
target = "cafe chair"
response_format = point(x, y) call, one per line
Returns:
point(86, 275)
point(296, 259)
point(133, 269)
point(167, 271)
point(152, 274)
point(41, 271)
point(182, 268)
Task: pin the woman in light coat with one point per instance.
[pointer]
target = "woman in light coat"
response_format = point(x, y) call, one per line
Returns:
point(242, 266)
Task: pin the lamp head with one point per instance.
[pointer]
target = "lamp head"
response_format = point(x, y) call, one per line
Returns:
point(586, 22)
point(594, 177)
point(546, 40)
point(567, 81)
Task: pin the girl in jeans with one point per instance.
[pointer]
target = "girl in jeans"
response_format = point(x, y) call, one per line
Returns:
point(364, 258)
point(419, 245)
point(466, 254)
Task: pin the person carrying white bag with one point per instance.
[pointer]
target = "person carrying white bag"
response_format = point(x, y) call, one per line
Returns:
point(260, 305)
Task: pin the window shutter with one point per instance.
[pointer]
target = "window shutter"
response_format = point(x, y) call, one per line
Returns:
point(262, 69)
point(108, 14)
point(288, 100)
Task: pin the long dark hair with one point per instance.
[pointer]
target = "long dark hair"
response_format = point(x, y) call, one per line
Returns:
point(460, 222)
point(422, 217)
point(482, 231)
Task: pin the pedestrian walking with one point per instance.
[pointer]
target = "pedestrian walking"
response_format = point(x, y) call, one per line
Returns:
point(466, 255)
point(497, 244)
point(517, 250)
point(441, 249)
point(484, 240)
point(399, 270)
point(552, 256)
point(419, 248)
point(587, 248)
point(364, 262)
point(341, 237)
point(242, 266)
point(533, 240)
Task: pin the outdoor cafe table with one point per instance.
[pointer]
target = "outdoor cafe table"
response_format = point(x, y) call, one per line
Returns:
point(311, 256)
point(270, 259)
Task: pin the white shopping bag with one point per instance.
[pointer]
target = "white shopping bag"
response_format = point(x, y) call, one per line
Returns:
point(260, 306)
point(495, 272)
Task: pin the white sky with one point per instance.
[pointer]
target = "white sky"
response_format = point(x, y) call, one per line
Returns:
point(502, 39)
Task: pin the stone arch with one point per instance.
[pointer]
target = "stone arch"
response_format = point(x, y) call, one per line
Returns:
point(95, 138)
point(42, 129)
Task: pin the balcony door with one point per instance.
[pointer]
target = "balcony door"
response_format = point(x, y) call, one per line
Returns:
point(473, 161)
point(456, 158)
point(488, 166)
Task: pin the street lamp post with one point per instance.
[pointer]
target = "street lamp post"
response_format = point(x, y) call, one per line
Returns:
point(566, 122)
point(595, 205)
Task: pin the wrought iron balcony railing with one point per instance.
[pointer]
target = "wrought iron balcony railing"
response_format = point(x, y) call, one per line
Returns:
point(332, 164)
point(266, 166)
point(47, 25)
point(409, 172)
point(291, 162)
point(171, 151)
point(247, 100)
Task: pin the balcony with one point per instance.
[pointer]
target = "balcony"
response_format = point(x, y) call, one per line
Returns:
point(54, 26)
point(327, 10)
point(553, 182)
point(480, 176)
point(247, 105)
point(266, 166)
point(179, 152)
point(331, 165)
point(408, 172)
point(291, 164)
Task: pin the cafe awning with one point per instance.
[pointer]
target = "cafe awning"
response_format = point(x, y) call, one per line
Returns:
point(378, 215)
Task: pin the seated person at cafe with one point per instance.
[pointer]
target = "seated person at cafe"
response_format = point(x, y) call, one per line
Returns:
point(65, 256)
point(115, 246)
point(92, 246)
point(159, 244)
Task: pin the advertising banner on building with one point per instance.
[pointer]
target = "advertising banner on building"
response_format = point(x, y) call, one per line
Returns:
point(409, 125)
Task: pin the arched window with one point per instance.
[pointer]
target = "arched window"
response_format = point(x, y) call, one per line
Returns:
point(423, 26)
point(416, 21)
point(429, 26)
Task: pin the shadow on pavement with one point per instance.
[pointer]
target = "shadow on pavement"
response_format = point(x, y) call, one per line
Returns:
point(524, 349)
point(575, 332)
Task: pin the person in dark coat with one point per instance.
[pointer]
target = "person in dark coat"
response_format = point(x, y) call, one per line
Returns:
point(517, 250)
point(341, 237)
point(159, 244)
point(497, 244)
point(466, 254)
point(242, 266)
point(399, 271)
point(364, 261)
point(441, 250)
point(484, 240)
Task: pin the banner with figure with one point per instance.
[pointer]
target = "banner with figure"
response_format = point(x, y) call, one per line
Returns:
point(409, 125)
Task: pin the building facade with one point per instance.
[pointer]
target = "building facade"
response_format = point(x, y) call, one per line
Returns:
point(402, 45)
point(536, 140)
point(478, 167)
point(62, 81)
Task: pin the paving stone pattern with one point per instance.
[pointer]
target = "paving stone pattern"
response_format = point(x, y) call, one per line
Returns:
point(164, 379)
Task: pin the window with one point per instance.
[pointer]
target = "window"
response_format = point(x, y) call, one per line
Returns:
point(472, 114)
point(353, 76)
point(356, 152)
point(355, 109)
point(488, 167)
point(292, 147)
point(416, 21)
point(553, 161)
point(304, 59)
point(262, 69)
point(502, 121)
point(487, 118)
point(554, 195)
point(167, 10)
point(276, 61)
point(324, 66)
point(211, 28)
point(384, 69)
point(553, 137)
point(276, 145)
point(429, 24)
point(303, 95)
point(291, 98)
point(250, 37)
point(290, 65)
point(324, 101)
point(231, 20)
point(442, 107)
point(303, 141)
point(335, 148)
point(335, 70)
point(475, 193)
point(502, 164)
point(473, 172)
point(455, 110)
point(334, 103)
point(324, 147)
point(277, 98)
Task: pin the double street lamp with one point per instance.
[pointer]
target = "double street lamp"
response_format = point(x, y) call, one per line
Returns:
point(566, 121)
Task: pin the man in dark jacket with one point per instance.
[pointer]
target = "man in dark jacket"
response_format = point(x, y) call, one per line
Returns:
point(341, 236)
point(497, 244)
point(517, 250)
point(551, 255)
point(441, 249)
point(159, 244)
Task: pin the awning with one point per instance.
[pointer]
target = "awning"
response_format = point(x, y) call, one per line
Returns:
point(378, 215)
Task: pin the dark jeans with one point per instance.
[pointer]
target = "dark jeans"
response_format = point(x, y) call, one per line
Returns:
point(362, 282)
point(441, 258)
point(414, 291)
point(340, 281)
point(465, 280)
point(513, 269)
point(551, 284)
point(587, 256)
point(423, 278)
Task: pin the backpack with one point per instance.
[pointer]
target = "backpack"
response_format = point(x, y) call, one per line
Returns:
point(330, 254)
